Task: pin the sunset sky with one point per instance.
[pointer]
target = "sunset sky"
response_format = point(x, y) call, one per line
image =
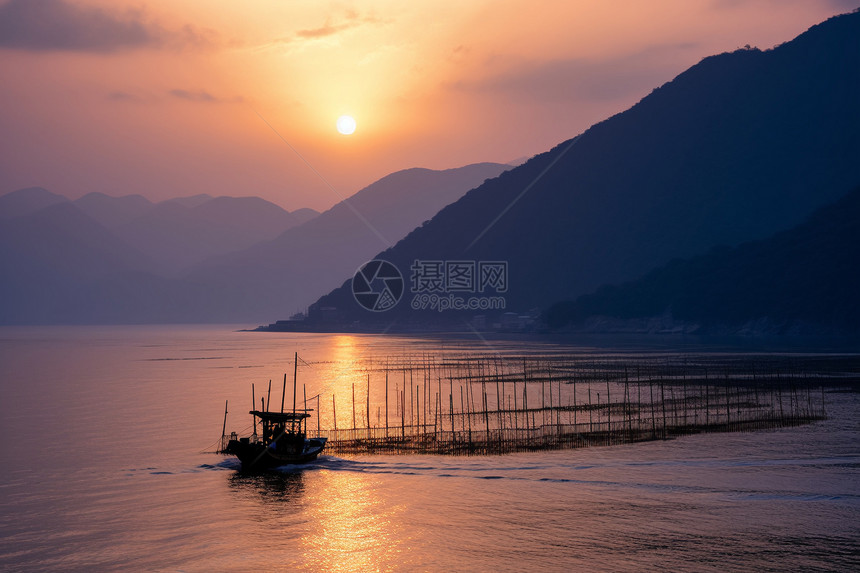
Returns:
point(176, 97)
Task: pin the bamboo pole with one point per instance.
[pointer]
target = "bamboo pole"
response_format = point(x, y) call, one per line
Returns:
point(386, 401)
point(499, 404)
point(590, 418)
point(334, 413)
point(254, 405)
point(451, 399)
point(608, 406)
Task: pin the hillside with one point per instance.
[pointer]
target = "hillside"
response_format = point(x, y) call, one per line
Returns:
point(738, 147)
point(806, 278)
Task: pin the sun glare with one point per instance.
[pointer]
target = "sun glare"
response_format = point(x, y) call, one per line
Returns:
point(345, 124)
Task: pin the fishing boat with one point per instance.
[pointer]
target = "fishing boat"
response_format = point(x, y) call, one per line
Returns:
point(283, 440)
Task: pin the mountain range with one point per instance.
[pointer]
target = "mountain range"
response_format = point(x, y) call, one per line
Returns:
point(731, 154)
point(738, 147)
point(180, 233)
point(286, 274)
point(53, 250)
point(175, 234)
point(103, 259)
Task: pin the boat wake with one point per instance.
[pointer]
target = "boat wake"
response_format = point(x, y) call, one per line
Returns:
point(644, 476)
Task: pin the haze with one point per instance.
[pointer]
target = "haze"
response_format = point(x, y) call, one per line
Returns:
point(171, 98)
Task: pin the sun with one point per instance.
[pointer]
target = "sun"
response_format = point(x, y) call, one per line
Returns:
point(346, 124)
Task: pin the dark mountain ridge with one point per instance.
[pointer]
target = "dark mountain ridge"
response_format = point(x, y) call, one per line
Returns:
point(803, 279)
point(739, 146)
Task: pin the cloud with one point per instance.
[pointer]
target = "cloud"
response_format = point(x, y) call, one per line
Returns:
point(350, 20)
point(124, 96)
point(582, 79)
point(58, 25)
point(202, 96)
point(322, 32)
point(195, 96)
point(353, 20)
point(199, 95)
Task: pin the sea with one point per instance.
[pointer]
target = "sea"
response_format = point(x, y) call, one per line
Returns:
point(106, 448)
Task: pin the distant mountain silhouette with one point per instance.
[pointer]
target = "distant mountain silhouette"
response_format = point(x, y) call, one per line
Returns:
point(49, 255)
point(113, 212)
point(179, 234)
point(806, 279)
point(303, 215)
point(192, 200)
point(25, 201)
point(284, 275)
point(736, 148)
point(103, 259)
point(237, 212)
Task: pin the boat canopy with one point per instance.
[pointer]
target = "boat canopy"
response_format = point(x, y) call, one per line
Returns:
point(281, 416)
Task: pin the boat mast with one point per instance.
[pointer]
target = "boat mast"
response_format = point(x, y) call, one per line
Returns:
point(283, 392)
point(224, 427)
point(295, 373)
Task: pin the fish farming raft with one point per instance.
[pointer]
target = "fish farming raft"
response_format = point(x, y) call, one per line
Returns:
point(473, 405)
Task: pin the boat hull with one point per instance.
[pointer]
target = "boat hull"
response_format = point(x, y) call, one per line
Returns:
point(256, 456)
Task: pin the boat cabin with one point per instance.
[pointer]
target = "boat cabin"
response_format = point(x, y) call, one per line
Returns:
point(283, 432)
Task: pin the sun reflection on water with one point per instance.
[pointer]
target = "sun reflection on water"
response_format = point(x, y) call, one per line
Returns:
point(352, 526)
point(346, 377)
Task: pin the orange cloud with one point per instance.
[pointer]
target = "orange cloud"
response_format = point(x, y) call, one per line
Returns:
point(57, 25)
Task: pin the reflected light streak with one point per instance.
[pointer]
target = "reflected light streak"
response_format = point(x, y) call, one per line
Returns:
point(352, 527)
point(346, 357)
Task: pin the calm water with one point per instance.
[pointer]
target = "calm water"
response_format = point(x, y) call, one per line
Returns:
point(103, 430)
